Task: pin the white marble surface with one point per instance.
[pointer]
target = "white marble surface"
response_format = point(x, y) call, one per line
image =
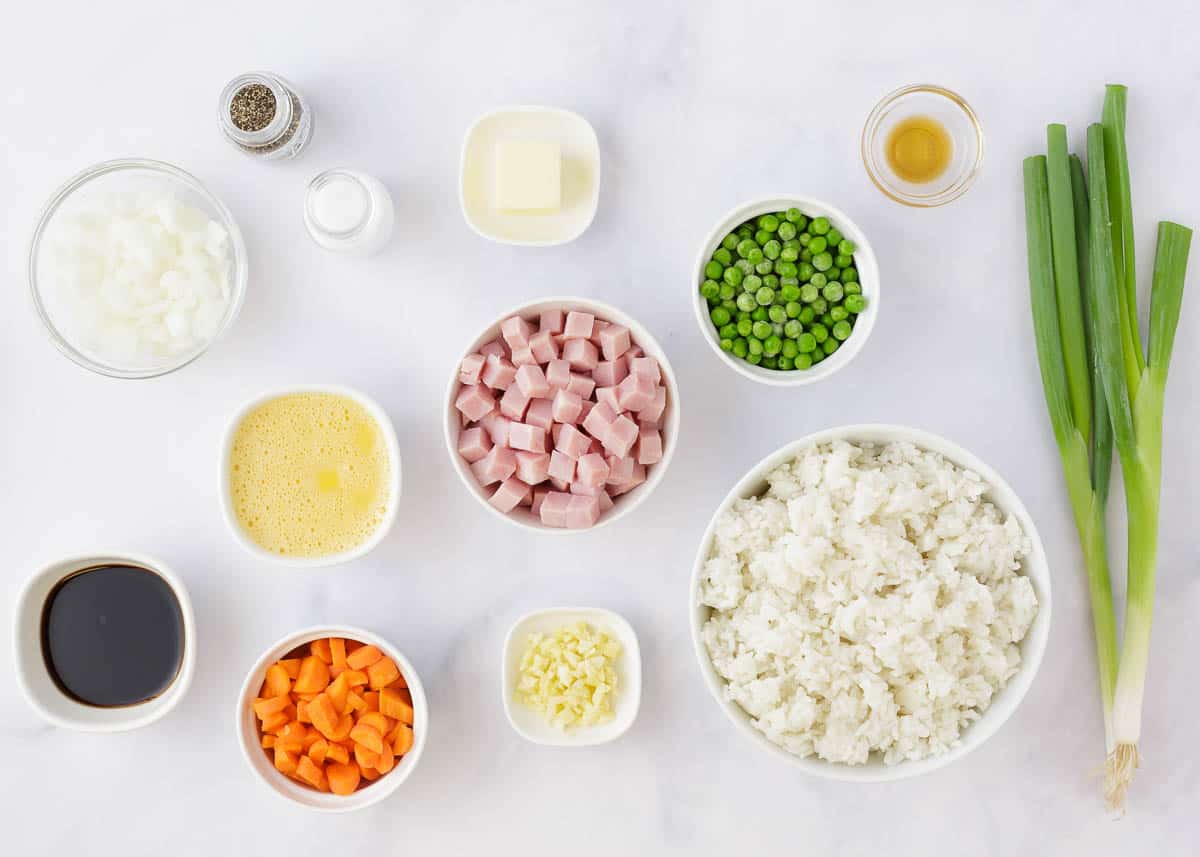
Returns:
point(698, 106)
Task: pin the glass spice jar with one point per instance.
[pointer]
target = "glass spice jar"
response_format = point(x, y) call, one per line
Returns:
point(264, 116)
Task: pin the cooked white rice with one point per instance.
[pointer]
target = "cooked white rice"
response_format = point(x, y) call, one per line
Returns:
point(871, 602)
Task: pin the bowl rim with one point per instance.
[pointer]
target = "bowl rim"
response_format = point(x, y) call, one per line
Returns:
point(244, 723)
point(865, 259)
point(871, 125)
point(622, 505)
point(138, 715)
point(1033, 646)
point(594, 203)
point(238, 262)
point(621, 628)
point(394, 484)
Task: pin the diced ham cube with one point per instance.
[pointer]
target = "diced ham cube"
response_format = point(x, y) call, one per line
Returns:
point(526, 437)
point(523, 356)
point(561, 467)
point(621, 435)
point(513, 403)
point(647, 367)
point(635, 392)
point(597, 326)
point(609, 373)
point(654, 411)
point(596, 447)
point(475, 402)
point(533, 467)
point(571, 441)
point(532, 382)
point(598, 421)
point(592, 470)
point(581, 385)
point(653, 425)
point(558, 373)
point(586, 490)
point(551, 321)
point(470, 369)
point(540, 413)
point(578, 325)
point(609, 396)
point(496, 425)
point(649, 447)
point(499, 464)
point(473, 444)
point(509, 495)
point(558, 484)
point(543, 346)
point(553, 510)
point(636, 478)
point(614, 341)
point(585, 409)
point(581, 354)
point(566, 406)
point(516, 332)
point(634, 351)
point(495, 347)
point(582, 512)
point(606, 502)
point(498, 372)
point(539, 494)
point(620, 469)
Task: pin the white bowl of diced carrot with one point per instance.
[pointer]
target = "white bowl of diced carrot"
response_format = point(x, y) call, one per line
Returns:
point(332, 718)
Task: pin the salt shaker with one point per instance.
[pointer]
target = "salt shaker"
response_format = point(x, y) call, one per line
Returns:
point(348, 212)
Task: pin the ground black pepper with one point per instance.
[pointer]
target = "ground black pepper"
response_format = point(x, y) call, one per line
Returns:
point(253, 107)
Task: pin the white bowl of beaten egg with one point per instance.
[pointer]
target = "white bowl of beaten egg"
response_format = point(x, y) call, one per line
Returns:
point(310, 475)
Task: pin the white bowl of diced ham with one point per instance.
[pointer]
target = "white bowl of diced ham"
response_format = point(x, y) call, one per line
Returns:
point(562, 415)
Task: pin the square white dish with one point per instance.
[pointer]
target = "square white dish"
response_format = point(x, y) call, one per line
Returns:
point(580, 176)
point(531, 725)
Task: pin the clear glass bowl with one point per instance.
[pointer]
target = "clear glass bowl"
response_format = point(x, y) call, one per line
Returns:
point(960, 122)
point(123, 176)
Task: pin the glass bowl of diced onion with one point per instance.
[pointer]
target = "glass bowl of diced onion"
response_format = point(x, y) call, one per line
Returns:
point(135, 268)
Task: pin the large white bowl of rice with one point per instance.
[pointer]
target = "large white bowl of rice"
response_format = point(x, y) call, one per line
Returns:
point(870, 602)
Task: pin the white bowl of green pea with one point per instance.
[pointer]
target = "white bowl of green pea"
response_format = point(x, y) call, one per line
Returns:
point(786, 290)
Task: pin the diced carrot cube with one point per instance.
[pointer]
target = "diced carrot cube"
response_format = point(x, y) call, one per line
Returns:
point(362, 658)
point(367, 736)
point(311, 773)
point(276, 722)
point(311, 738)
point(382, 673)
point(268, 741)
point(314, 676)
point(264, 708)
point(337, 753)
point(277, 683)
point(387, 760)
point(372, 700)
point(376, 721)
point(323, 714)
point(365, 757)
point(344, 727)
point(343, 778)
point(337, 650)
point(356, 678)
point(291, 737)
point(404, 740)
point(354, 702)
point(319, 751)
point(291, 666)
point(302, 712)
point(285, 761)
point(369, 773)
point(337, 690)
point(399, 683)
point(394, 704)
point(320, 649)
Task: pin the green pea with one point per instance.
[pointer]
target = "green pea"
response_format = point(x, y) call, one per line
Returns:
point(794, 215)
point(733, 276)
point(803, 361)
point(834, 237)
point(764, 296)
point(804, 239)
point(850, 275)
point(728, 331)
point(755, 256)
point(754, 359)
point(805, 271)
point(807, 343)
point(789, 254)
point(772, 249)
point(841, 330)
point(793, 309)
point(818, 244)
point(729, 307)
point(759, 314)
point(834, 273)
point(727, 292)
point(723, 256)
point(730, 241)
point(744, 326)
point(765, 267)
point(770, 363)
point(720, 316)
point(852, 288)
point(819, 331)
point(822, 261)
point(790, 347)
point(745, 246)
point(745, 231)
point(829, 346)
point(846, 247)
point(855, 303)
point(809, 293)
point(820, 225)
point(820, 306)
point(742, 314)
point(761, 330)
point(752, 282)
point(832, 292)
point(746, 302)
point(770, 280)
point(805, 255)
point(740, 348)
point(839, 313)
point(726, 344)
point(827, 320)
point(761, 237)
point(777, 314)
point(817, 356)
point(755, 346)
point(713, 270)
point(768, 222)
point(842, 261)
point(787, 230)
point(744, 266)
point(785, 363)
point(787, 269)
point(806, 316)
point(790, 292)
point(710, 289)
point(792, 329)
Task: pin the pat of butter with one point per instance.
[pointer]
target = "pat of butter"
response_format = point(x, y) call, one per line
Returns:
point(528, 175)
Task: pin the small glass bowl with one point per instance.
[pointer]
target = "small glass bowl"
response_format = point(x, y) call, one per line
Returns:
point(960, 123)
point(124, 175)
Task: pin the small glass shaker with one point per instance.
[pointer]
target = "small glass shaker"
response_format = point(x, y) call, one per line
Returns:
point(264, 116)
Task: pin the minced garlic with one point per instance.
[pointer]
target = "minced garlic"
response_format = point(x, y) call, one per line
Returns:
point(570, 676)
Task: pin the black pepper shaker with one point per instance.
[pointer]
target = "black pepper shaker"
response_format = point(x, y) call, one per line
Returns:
point(264, 116)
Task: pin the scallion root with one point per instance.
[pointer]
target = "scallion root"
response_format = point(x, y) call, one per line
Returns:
point(1119, 770)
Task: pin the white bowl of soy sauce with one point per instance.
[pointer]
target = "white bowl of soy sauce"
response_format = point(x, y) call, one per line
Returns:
point(104, 642)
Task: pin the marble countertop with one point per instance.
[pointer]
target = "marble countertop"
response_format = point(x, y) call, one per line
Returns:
point(697, 106)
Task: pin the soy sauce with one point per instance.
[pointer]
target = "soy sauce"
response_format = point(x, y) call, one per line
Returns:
point(112, 635)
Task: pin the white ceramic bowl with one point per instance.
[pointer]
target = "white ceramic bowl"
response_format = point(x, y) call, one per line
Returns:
point(532, 725)
point(580, 176)
point(393, 448)
point(625, 503)
point(868, 276)
point(34, 679)
point(264, 767)
point(1032, 647)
